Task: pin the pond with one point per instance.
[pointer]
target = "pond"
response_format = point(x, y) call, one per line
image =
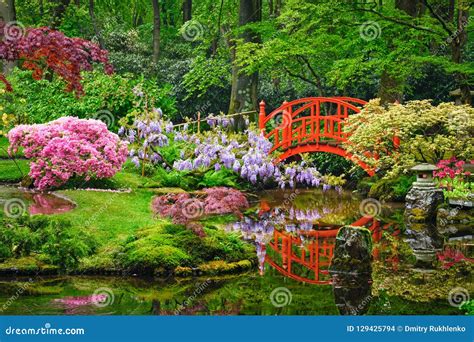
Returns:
point(294, 233)
point(15, 201)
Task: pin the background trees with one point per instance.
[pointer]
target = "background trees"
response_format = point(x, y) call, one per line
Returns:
point(226, 55)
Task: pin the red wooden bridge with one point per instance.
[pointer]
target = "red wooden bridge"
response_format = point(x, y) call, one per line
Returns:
point(313, 124)
point(310, 264)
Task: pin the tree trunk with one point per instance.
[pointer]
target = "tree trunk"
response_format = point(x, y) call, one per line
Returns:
point(187, 10)
point(244, 87)
point(411, 7)
point(278, 7)
point(156, 30)
point(458, 45)
point(8, 14)
point(390, 89)
point(58, 13)
point(95, 24)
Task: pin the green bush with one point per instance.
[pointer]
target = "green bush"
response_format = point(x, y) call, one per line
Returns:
point(166, 246)
point(391, 189)
point(57, 241)
point(42, 101)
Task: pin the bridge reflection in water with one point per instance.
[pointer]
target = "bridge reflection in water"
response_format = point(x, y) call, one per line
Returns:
point(303, 251)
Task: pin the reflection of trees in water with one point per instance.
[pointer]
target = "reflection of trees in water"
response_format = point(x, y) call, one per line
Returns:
point(329, 207)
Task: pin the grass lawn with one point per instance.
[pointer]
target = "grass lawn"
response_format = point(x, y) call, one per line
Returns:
point(10, 173)
point(111, 215)
point(127, 234)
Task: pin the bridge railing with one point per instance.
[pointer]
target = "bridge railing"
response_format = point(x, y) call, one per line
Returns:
point(308, 120)
point(310, 264)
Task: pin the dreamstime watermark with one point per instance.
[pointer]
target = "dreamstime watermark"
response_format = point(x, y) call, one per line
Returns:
point(99, 212)
point(193, 297)
point(283, 119)
point(452, 37)
point(458, 296)
point(370, 207)
point(14, 207)
point(22, 288)
point(192, 208)
point(362, 305)
point(46, 330)
point(13, 30)
point(370, 30)
point(290, 198)
point(103, 297)
point(192, 30)
point(106, 117)
point(281, 297)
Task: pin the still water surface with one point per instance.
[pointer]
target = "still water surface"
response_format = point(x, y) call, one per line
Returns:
point(296, 285)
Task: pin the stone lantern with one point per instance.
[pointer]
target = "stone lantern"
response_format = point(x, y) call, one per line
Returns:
point(424, 176)
point(421, 205)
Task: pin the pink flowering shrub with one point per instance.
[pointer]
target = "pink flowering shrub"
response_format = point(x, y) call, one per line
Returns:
point(450, 257)
point(184, 209)
point(68, 147)
point(451, 168)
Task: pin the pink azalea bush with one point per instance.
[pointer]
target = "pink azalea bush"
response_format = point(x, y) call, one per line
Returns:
point(184, 209)
point(68, 147)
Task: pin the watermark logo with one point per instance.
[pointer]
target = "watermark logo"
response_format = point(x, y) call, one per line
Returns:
point(106, 117)
point(281, 297)
point(283, 119)
point(13, 30)
point(193, 208)
point(192, 30)
point(458, 296)
point(103, 297)
point(370, 30)
point(370, 207)
point(14, 207)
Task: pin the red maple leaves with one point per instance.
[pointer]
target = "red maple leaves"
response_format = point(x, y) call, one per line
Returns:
point(43, 49)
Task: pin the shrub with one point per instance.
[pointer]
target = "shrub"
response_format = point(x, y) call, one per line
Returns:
point(57, 241)
point(168, 246)
point(183, 209)
point(69, 147)
point(107, 97)
point(427, 133)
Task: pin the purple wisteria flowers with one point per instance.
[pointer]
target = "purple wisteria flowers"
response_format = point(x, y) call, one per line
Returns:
point(247, 153)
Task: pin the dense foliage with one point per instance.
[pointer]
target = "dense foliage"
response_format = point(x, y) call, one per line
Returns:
point(68, 147)
point(57, 242)
point(185, 209)
point(106, 97)
point(42, 49)
point(427, 133)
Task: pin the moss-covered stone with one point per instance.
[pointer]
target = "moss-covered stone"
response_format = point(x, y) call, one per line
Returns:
point(353, 251)
point(30, 265)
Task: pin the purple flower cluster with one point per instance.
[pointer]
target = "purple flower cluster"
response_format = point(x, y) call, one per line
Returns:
point(247, 154)
point(145, 137)
point(251, 159)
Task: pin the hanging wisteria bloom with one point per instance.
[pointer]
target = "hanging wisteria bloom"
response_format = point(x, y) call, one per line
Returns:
point(146, 137)
point(248, 154)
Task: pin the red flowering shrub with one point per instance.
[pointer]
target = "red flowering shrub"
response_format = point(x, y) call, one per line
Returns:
point(42, 48)
point(222, 200)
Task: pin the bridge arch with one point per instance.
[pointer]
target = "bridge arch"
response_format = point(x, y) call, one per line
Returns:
point(312, 124)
